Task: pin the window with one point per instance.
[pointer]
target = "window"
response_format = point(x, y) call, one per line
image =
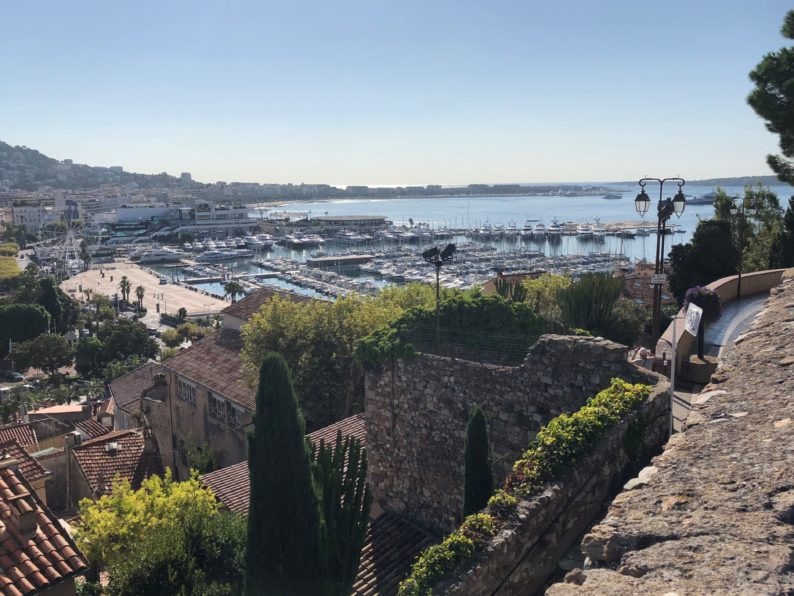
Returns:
point(234, 415)
point(185, 391)
point(217, 407)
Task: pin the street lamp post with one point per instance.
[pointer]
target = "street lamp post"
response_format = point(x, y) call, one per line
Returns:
point(437, 257)
point(664, 209)
point(739, 213)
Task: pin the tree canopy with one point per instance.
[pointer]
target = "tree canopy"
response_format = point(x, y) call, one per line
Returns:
point(48, 352)
point(710, 255)
point(20, 322)
point(773, 97)
point(166, 537)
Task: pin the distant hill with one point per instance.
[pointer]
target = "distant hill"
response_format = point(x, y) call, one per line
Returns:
point(27, 169)
point(739, 181)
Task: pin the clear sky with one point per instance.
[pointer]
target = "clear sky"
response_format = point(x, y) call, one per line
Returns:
point(398, 92)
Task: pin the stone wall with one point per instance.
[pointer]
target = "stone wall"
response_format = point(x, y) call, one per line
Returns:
point(418, 408)
point(521, 557)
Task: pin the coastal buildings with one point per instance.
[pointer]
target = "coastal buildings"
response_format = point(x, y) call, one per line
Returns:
point(199, 398)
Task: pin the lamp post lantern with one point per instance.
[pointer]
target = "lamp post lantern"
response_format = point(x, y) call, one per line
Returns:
point(739, 213)
point(665, 208)
point(437, 257)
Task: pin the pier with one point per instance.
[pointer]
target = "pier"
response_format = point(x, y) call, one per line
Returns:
point(338, 261)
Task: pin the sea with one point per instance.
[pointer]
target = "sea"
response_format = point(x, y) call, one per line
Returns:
point(472, 213)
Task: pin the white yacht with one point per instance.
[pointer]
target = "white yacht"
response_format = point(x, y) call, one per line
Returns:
point(539, 231)
point(599, 231)
point(584, 231)
point(158, 255)
point(554, 228)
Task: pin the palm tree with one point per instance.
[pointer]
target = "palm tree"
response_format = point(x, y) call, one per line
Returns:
point(139, 291)
point(124, 286)
point(233, 288)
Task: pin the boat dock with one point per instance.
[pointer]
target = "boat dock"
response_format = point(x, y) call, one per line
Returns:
point(338, 261)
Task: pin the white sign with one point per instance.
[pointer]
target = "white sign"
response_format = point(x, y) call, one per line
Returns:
point(658, 279)
point(692, 320)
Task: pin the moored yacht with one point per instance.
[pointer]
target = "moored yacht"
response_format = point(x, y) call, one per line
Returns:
point(554, 228)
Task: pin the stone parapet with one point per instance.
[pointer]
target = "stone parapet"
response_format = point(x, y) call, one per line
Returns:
point(418, 408)
point(717, 517)
point(521, 558)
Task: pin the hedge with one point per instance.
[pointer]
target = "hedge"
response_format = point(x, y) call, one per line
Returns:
point(8, 268)
point(558, 446)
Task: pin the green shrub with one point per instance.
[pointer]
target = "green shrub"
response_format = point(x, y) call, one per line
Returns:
point(436, 562)
point(8, 268)
point(502, 503)
point(9, 249)
point(564, 440)
point(478, 528)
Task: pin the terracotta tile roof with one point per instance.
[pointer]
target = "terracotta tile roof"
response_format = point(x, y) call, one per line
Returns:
point(31, 469)
point(127, 390)
point(390, 548)
point(100, 462)
point(93, 428)
point(22, 432)
point(354, 426)
point(231, 484)
point(243, 309)
point(638, 287)
point(36, 560)
point(215, 363)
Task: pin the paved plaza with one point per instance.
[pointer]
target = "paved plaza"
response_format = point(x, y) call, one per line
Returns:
point(170, 297)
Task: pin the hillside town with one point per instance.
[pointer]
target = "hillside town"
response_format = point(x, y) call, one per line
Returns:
point(397, 390)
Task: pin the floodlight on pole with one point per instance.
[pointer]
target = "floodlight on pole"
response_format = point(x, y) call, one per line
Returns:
point(437, 257)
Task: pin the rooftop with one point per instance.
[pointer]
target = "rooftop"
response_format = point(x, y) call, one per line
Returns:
point(92, 428)
point(31, 469)
point(245, 307)
point(119, 453)
point(36, 553)
point(215, 363)
point(126, 390)
point(22, 432)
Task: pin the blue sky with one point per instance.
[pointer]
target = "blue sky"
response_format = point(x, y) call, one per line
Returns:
point(401, 92)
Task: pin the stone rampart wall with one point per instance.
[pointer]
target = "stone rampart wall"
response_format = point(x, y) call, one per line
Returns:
point(520, 558)
point(717, 516)
point(418, 408)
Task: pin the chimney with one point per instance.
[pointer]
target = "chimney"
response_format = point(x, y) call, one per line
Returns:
point(71, 440)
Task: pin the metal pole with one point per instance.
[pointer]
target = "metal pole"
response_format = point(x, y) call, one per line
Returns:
point(739, 219)
point(672, 378)
point(438, 299)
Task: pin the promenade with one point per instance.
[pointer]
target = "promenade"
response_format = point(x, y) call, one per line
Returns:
point(170, 297)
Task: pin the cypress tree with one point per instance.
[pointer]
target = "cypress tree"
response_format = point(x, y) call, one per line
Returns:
point(283, 550)
point(341, 472)
point(478, 484)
